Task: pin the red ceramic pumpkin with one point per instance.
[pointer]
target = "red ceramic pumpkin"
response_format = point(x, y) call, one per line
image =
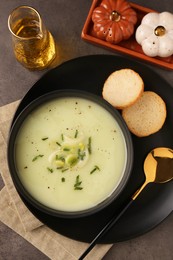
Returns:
point(114, 20)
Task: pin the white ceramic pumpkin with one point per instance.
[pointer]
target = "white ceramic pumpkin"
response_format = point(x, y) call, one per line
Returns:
point(155, 34)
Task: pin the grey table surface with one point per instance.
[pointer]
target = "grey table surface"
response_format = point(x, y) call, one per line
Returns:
point(65, 19)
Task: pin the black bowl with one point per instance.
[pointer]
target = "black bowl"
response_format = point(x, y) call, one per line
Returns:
point(11, 152)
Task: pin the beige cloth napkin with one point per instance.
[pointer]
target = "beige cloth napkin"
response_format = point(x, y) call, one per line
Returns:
point(15, 215)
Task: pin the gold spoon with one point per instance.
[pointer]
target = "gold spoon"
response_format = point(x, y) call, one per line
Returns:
point(158, 168)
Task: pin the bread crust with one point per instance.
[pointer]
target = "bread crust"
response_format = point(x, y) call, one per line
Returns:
point(147, 115)
point(123, 88)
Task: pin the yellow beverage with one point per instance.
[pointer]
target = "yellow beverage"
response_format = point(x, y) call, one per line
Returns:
point(34, 46)
point(41, 49)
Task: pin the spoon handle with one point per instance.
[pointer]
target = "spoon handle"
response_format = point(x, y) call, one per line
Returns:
point(105, 229)
point(135, 195)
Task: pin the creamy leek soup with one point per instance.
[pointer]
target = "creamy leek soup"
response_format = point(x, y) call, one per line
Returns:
point(70, 154)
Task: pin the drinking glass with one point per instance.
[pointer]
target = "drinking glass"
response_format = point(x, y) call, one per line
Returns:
point(34, 46)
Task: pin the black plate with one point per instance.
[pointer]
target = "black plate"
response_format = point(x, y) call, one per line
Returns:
point(154, 204)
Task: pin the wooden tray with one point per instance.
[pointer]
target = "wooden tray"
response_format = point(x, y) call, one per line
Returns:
point(130, 46)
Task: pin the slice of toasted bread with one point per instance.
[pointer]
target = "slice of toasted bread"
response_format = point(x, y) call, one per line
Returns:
point(147, 115)
point(122, 88)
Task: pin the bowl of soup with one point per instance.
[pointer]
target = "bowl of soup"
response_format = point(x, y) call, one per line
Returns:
point(70, 153)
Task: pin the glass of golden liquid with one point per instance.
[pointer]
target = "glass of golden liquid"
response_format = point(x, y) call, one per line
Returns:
point(34, 46)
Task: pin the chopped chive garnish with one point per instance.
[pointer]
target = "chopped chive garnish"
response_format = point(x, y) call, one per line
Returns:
point(50, 169)
point(89, 145)
point(59, 168)
point(61, 158)
point(62, 137)
point(95, 168)
point(58, 143)
point(78, 188)
point(76, 134)
point(63, 179)
point(36, 157)
point(77, 185)
point(44, 139)
point(64, 170)
point(66, 149)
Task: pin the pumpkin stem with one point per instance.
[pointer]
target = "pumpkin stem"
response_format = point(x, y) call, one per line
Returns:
point(115, 16)
point(160, 30)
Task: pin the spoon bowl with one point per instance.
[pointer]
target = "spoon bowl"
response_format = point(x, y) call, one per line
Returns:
point(164, 169)
point(158, 167)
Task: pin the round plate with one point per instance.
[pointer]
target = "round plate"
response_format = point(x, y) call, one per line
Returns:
point(154, 204)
